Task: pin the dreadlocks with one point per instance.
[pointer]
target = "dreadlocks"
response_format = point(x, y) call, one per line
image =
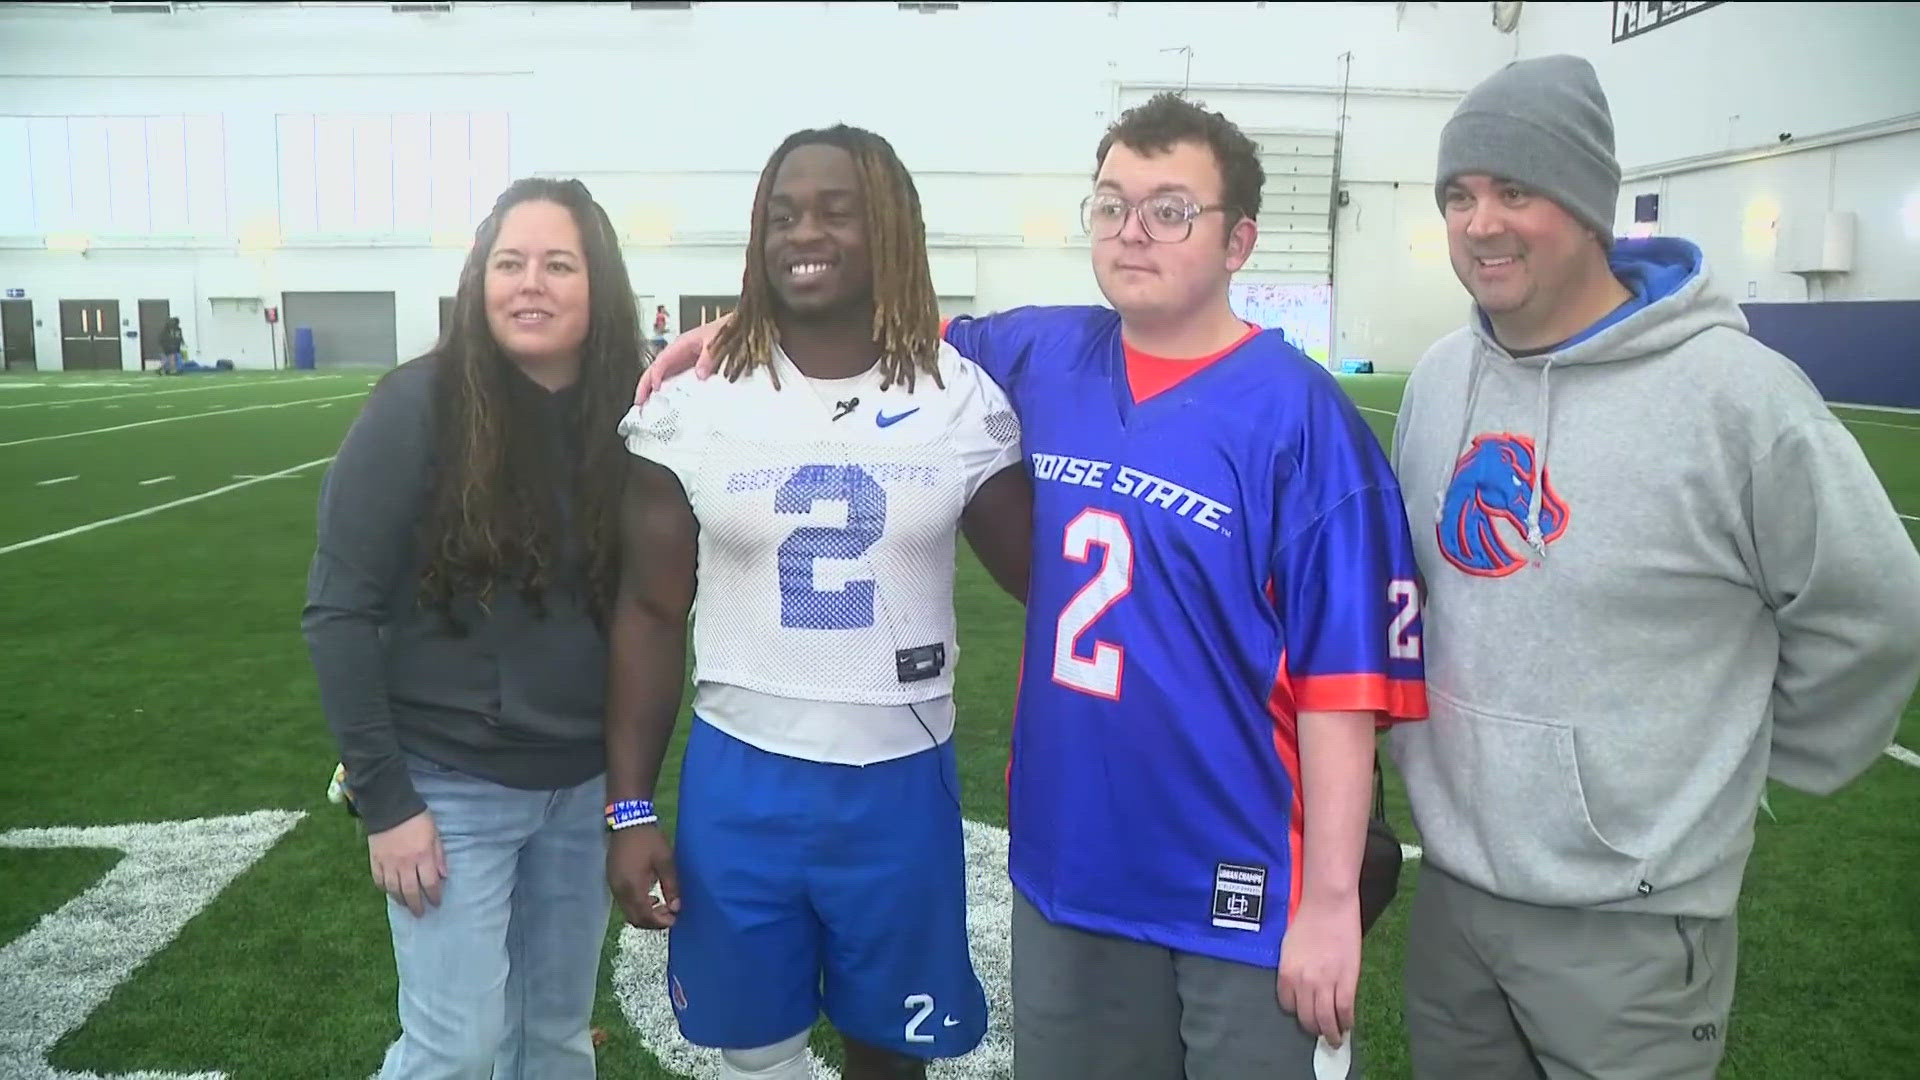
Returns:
point(906, 313)
point(493, 514)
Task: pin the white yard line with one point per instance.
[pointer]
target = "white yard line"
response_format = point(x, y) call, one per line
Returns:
point(1907, 517)
point(1874, 408)
point(56, 480)
point(164, 393)
point(155, 480)
point(188, 416)
point(104, 522)
point(1903, 755)
point(1382, 412)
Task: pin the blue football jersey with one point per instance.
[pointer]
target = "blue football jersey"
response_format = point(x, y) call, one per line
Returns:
point(1207, 564)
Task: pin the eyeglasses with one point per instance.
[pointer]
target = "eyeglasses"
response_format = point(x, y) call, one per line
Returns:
point(1168, 219)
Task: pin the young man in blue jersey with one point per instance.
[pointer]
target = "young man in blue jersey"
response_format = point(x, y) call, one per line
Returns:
point(810, 500)
point(1223, 605)
point(1664, 574)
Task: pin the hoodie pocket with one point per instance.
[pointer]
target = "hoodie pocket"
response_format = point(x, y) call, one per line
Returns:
point(1507, 811)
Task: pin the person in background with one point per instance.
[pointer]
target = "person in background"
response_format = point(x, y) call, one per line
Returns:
point(659, 326)
point(172, 344)
point(456, 615)
point(1659, 572)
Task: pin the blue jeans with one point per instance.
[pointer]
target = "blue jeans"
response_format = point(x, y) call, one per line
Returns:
point(498, 980)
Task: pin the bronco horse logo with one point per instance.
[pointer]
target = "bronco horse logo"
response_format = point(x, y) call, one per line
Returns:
point(1493, 482)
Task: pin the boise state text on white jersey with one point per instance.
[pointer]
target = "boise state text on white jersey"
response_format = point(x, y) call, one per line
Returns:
point(827, 534)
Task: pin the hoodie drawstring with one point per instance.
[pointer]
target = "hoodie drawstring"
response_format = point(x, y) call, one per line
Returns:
point(1475, 369)
point(1534, 539)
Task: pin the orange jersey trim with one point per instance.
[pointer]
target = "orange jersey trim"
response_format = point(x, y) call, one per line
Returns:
point(1398, 700)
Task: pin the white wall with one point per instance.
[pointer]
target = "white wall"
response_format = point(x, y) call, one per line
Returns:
point(1741, 214)
point(668, 117)
point(1699, 105)
point(1737, 75)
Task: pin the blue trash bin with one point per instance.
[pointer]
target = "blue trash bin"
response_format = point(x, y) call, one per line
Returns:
point(303, 355)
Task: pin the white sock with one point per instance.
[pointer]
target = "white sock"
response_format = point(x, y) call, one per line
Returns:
point(784, 1060)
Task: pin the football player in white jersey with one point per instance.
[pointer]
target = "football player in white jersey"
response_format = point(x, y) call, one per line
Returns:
point(810, 500)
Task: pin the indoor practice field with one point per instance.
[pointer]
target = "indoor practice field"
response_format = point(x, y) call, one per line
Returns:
point(180, 900)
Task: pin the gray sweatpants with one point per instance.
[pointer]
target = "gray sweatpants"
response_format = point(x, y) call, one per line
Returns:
point(1094, 1007)
point(1499, 990)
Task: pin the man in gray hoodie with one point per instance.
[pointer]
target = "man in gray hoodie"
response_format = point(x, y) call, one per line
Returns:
point(1658, 572)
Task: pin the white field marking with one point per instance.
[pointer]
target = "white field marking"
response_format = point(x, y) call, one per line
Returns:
point(56, 480)
point(172, 419)
point(148, 393)
point(1915, 428)
point(1382, 412)
point(324, 405)
point(1903, 755)
point(14, 382)
point(156, 480)
point(1874, 408)
point(1906, 517)
point(104, 522)
point(54, 976)
point(1409, 852)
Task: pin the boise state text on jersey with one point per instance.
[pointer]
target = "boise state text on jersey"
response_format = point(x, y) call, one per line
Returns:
point(1208, 563)
point(831, 538)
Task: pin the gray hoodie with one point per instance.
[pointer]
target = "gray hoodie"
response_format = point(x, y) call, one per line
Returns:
point(1658, 571)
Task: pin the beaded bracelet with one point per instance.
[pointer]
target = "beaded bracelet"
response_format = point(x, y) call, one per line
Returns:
point(627, 813)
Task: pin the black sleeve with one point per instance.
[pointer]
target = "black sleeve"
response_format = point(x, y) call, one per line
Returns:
point(370, 503)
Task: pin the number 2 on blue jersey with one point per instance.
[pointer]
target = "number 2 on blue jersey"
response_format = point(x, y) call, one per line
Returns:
point(1100, 673)
point(802, 606)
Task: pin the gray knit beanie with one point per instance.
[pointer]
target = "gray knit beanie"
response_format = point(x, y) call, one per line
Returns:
point(1543, 123)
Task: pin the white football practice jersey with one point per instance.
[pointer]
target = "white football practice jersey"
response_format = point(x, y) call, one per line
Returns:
point(828, 518)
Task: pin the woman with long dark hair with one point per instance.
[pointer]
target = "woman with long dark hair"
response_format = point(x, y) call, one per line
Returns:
point(456, 616)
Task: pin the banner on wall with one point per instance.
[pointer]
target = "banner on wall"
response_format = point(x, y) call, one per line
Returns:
point(1302, 312)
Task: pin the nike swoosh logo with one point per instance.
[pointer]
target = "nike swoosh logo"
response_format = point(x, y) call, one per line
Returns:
point(949, 1022)
point(883, 420)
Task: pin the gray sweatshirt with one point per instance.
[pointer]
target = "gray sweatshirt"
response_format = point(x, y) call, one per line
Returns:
point(1658, 571)
point(519, 699)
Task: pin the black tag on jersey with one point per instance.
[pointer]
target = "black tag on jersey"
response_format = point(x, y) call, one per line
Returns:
point(1239, 896)
point(920, 662)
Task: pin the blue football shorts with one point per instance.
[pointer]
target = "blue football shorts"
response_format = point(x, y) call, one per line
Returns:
point(809, 886)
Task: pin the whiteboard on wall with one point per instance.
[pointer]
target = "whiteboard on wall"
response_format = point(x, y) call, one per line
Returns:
point(1303, 312)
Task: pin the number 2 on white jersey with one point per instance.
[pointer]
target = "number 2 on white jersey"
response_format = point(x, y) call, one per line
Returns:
point(1100, 674)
